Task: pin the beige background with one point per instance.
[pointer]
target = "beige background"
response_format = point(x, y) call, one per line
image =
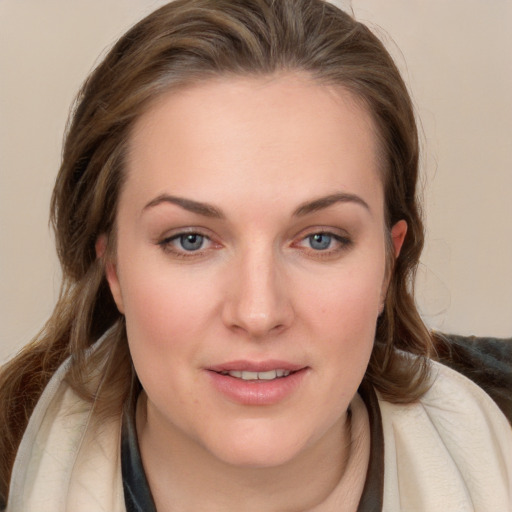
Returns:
point(459, 67)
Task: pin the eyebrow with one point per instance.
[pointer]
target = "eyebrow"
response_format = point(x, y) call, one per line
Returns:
point(208, 210)
point(205, 209)
point(325, 202)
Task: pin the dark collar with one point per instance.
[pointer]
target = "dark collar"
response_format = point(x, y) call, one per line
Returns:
point(137, 493)
point(373, 491)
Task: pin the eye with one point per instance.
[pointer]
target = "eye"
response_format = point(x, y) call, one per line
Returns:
point(190, 241)
point(320, 241)
point(325, 244)
point(324, 241)
point(186, 244)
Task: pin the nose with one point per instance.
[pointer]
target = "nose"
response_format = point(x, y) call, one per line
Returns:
point(259, 299)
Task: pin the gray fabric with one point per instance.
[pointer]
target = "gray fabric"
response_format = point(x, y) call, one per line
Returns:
point(486, 361)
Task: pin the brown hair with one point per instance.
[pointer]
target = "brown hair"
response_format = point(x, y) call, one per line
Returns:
point(183, 42)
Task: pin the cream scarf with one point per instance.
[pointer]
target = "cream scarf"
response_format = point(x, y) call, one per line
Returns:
point(451, 451)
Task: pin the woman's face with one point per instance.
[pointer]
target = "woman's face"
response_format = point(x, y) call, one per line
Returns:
point(250, 263)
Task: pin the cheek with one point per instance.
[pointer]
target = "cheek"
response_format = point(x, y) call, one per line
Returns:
point(348, 326)
point(165, 321)
point(341, 314)
point(349, 298)
point(164, 310)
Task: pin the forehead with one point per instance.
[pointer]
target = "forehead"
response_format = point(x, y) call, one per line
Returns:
point(274, 135)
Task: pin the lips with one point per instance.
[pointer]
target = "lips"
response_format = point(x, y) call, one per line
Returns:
point(268, 375)
point(257, 383)
point(256, 366)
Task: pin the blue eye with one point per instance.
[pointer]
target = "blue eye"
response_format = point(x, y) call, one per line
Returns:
point(188, 244)
point(320, 241)
point(191, 241)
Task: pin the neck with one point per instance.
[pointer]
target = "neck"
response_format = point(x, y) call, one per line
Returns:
point(184, 476)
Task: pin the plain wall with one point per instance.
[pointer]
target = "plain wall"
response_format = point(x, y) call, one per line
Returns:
point(457, 58)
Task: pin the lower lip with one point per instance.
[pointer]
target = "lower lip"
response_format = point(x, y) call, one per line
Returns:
point(257, 392)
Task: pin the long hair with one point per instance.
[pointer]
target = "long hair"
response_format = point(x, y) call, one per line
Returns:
point(184, 42)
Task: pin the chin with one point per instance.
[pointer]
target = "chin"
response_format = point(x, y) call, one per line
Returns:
point(251, 458)
point(259, 446)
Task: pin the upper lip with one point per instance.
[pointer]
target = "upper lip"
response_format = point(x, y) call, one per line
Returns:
point(256, 366)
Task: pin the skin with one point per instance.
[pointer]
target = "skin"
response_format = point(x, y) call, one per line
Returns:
point(256, 150)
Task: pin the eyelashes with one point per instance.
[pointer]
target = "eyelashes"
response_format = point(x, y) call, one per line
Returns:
point(325, 242)
point(318, 243)
point(187, 244)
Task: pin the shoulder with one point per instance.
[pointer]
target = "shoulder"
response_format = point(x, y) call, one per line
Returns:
point(486, 361)
point(450, 450)
point(65, 458)
point(454, 397)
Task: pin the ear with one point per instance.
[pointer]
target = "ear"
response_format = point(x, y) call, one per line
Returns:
point(110, 271)
point(398, 232)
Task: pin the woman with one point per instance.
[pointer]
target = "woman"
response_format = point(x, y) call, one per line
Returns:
point(238, 229)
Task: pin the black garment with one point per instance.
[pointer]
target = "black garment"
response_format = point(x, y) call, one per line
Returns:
point(137, 495)
point(486, 361)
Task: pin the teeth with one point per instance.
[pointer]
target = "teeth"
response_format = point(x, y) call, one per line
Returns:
point(270, 375)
